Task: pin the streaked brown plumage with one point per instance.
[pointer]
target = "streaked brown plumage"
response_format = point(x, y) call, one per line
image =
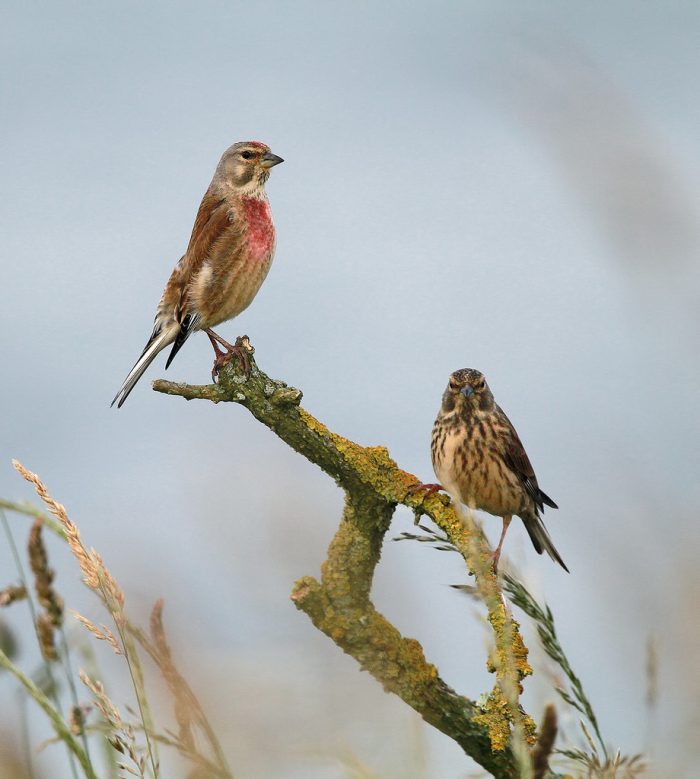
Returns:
point(227, 259)
point(479, 458)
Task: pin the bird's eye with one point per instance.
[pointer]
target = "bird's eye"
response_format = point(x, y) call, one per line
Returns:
point(246, 155)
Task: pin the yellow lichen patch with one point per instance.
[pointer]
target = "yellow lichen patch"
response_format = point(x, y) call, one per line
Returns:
point(381, 456)
point(495, 717)
point(373, 464)
point(517, 651)
point(447, 519)
point(313, 424)
point(530, 729)
point(354, 454)
point(520, 653)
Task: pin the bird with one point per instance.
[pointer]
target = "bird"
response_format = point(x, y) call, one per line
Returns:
point(478, 458)
point(227, 259)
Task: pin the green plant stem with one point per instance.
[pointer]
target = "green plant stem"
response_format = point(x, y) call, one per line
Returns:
point(24, 731)
point(546, 630)
point(68, 668)
point(108, 751)
point(130, 651)
point(135, 672)
point(57, 721)
point(28, 510)
point(32, 611)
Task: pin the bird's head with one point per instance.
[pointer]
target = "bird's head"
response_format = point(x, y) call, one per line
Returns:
point(467, 391)
point(245, 166)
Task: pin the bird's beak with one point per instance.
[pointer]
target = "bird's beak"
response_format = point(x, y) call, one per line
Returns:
point(467, 391)
point(269, 160)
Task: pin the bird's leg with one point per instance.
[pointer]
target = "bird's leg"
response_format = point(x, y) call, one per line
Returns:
point(214, 343)
point(218, 356)
point(241, 349)
point(497, 553)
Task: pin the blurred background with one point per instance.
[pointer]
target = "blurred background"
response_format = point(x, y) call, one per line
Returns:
point(507, 186)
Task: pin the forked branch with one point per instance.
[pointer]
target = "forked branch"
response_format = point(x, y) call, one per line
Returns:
point(339, 604)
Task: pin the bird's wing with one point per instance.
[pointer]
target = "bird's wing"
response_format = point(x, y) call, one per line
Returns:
point(211, 224)
point(175, 318)
point(213, 218)
point(517, 460)
point(214, 257)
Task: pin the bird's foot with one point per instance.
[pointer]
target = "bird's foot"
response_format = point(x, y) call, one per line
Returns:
point(242, 350)
point(428, 489)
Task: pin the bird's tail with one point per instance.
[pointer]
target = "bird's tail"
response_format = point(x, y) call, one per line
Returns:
point(157, 342)
point(541, 540)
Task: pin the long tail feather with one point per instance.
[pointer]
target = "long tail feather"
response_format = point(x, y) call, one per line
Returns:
point(541, 540)
point(188, 326)
point(156, 343)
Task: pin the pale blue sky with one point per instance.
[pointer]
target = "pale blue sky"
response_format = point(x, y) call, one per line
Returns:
point(507, 186)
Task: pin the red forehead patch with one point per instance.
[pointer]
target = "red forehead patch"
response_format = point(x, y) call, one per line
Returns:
point(257, 144)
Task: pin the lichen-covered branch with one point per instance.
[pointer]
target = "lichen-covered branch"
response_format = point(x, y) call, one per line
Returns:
point(339, 604)
point(340, 607)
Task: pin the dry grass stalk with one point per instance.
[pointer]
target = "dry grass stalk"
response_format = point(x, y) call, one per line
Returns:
point(77, 719)
point(102, 633)
point(652, 673)
point(591, 765)
point(187, 709)
point(617, 767)
point(98, 578)
point(48, 598)
point(45, 634)
point(121, 734)
point(179, 689)
point(95, 573)
point(545, 743)
point(112, 590)
point(88, 566)
point(107, 708)
point(12, 594)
